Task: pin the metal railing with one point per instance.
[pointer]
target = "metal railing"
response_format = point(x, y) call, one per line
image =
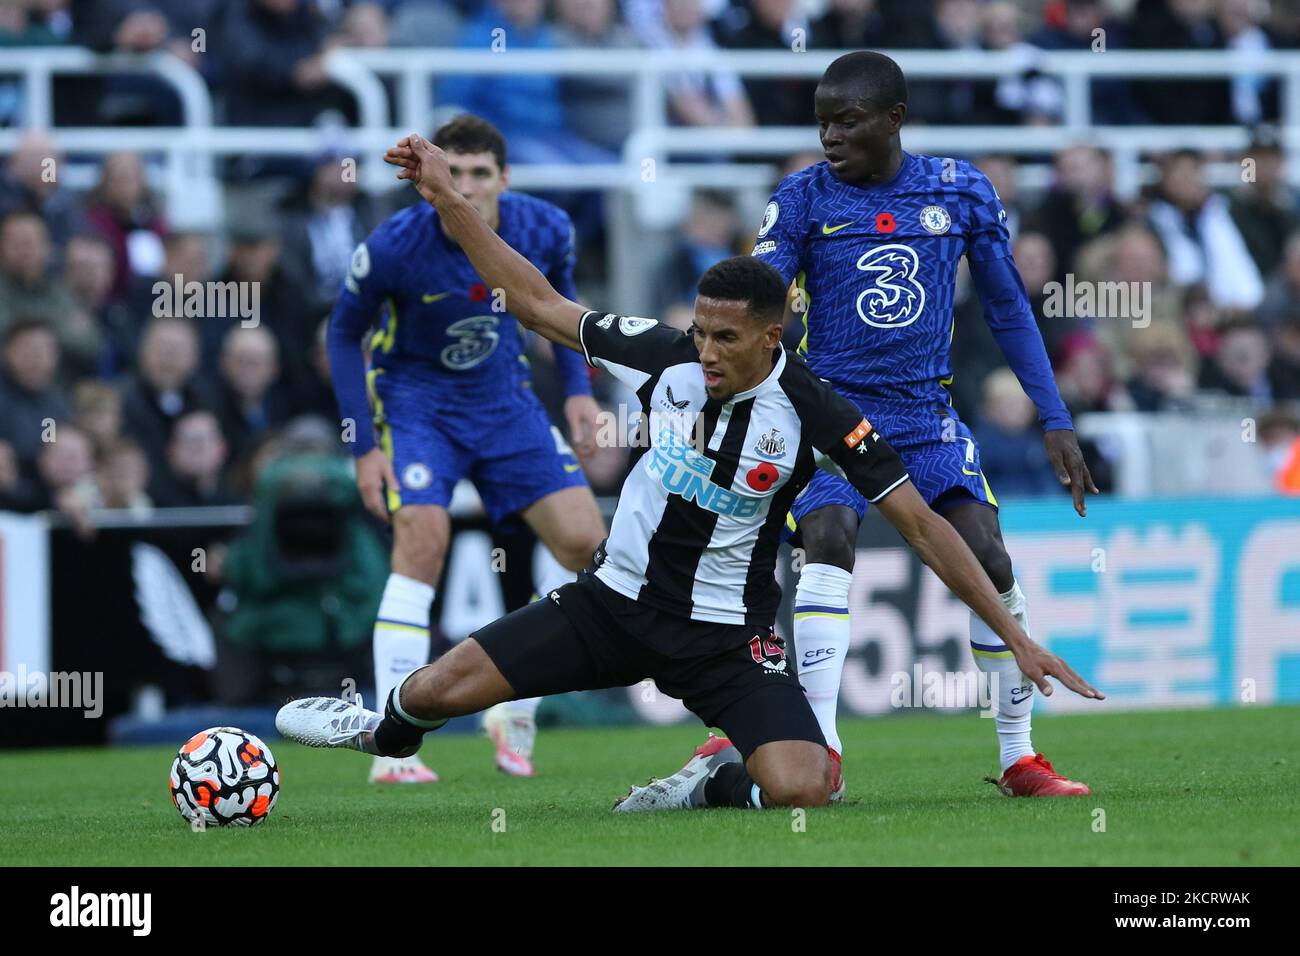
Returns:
point(189, 150)
point(644, 203)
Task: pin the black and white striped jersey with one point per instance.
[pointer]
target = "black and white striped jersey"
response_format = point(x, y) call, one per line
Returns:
point(700, 515)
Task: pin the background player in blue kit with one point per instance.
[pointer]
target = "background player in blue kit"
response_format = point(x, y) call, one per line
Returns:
point(449, 394)
point(873, 238)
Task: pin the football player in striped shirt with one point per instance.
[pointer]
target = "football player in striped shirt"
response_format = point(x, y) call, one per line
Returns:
point(683, 591)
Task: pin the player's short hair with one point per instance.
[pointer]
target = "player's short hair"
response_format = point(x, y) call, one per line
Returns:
point(870, 76)
point(749, 280)
point(468, 133)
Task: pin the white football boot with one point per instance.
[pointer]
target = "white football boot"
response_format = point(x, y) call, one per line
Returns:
point(330, 722)
point(684, 790)
point(514, 735)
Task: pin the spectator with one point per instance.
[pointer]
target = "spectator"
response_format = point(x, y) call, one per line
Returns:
point(527, 108)
point(1080, 205)
point(851, 25)
point(34, 23)
point(142, 26)
point(175, 27)
point(88, 274)
point(316, 397)
point(599, 108)
point(185, 260)
point(1253, 97)
point(1164, 377)
point(774, 25)
point(34, 404)
point(124, 212)
point(122, 478)
point(1283, 289)
point(1026, 96)
point(1086, 377)
point(1201, 241)
point(325, 222)
point(1003, 172)
point(1012, 455)
point(274, 54)
point(1084, 25)
point(247, 401)
point(364, 25)
point(164, 387)
point(1285, 370)
point(99, 412)
point(1240, 363)
point(66, 468)
point(953, 25)
point(195, 456)
point(256, 261)
point(1264, 207)
point(1202, 319)
point(31, 183)
point(709, 235)
point(28, 289)
point(1179, 25)
point(713, 98)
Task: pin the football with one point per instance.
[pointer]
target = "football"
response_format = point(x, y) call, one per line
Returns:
point(224, 776)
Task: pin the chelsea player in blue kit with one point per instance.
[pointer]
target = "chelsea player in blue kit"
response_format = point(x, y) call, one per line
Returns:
point(449, 395)
point(872, 238)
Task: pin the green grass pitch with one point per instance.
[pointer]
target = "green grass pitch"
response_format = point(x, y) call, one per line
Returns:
point(1188, 788)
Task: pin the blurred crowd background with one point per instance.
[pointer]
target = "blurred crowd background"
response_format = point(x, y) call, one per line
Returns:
point(157, 411)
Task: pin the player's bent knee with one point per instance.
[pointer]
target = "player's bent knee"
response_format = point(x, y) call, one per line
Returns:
point(798, 791)
point(800, 779)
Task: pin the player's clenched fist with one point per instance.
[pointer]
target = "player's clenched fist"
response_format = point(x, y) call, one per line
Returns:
point(424, 164)
point(374, 472)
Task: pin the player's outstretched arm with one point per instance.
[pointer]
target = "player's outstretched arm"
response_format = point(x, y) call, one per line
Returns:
point(939, 546)
point(528, 296)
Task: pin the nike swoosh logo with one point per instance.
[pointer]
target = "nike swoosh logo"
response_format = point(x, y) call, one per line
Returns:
point(434, 298)
point(571, 468)
point(973, 474)
point(827, 230)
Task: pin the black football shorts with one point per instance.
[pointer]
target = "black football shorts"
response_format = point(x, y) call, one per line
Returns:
point(587, 636)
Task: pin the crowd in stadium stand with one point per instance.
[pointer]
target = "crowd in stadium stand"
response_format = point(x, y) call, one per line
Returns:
point(154, 410)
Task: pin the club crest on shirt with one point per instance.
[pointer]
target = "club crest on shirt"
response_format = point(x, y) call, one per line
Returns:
point(416, 476)
point(770, 445)
point(935, 220)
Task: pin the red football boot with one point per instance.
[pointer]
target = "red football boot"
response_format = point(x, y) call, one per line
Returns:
point(1034, 777)
point(837, 776)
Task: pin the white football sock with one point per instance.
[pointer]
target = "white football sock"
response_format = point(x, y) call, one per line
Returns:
point(401, 638)
point(821, 636)
point(1015, 693)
